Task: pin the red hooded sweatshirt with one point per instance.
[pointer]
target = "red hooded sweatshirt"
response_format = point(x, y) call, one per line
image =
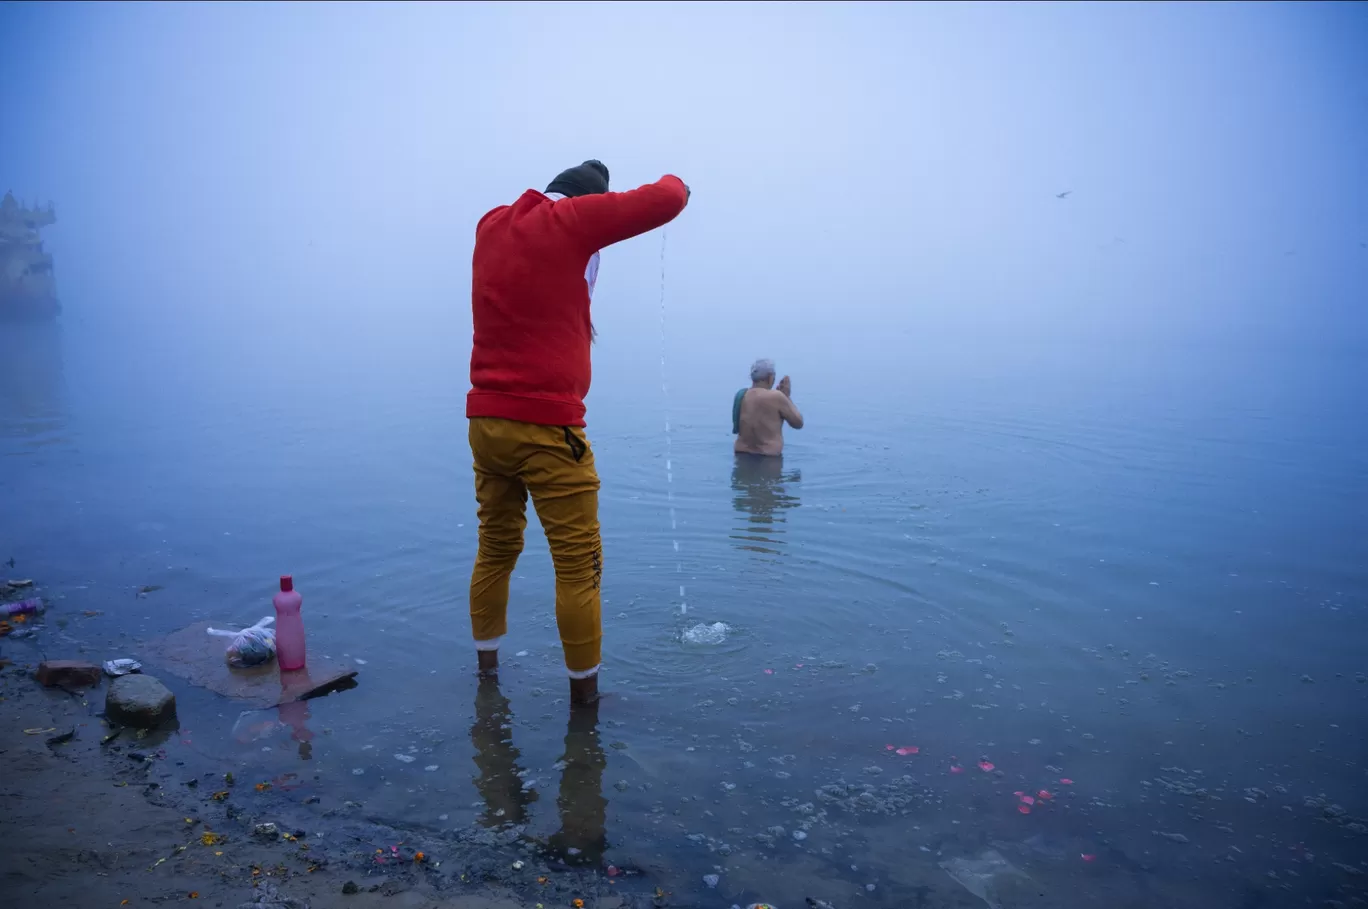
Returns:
point(530, 360)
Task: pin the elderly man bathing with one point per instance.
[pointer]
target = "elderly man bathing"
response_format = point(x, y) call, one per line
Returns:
point(760, 412)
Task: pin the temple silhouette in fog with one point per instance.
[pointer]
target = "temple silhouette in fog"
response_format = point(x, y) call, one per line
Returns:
point(28, 288)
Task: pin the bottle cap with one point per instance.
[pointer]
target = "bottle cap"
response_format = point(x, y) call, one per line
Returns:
point(286, 583)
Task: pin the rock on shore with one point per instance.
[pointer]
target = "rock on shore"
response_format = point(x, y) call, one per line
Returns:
point(140, 701)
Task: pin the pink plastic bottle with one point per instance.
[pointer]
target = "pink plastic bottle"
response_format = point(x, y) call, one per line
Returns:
point(289, 626)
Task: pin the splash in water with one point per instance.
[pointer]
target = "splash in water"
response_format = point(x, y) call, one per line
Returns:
point(703, 633)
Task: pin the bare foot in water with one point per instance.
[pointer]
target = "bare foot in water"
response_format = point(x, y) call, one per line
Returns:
point(584, 692)
point(488, 663)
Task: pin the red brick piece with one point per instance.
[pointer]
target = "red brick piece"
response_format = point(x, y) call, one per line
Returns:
point(67, 674)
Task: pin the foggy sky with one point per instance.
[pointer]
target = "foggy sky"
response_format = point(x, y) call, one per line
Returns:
point(859, 171)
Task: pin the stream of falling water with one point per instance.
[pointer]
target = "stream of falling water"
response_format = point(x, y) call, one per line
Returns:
point(669, 448)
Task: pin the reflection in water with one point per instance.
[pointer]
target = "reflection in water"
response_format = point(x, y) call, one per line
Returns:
point(759, 483)
point(583, 837)
point(499, 781)
point(295, 714)
point(31, 382)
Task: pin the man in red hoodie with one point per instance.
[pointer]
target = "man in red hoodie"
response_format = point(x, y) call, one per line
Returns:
point(534, 270)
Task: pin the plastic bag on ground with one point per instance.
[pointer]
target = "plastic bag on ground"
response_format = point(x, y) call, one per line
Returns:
point(250, 646)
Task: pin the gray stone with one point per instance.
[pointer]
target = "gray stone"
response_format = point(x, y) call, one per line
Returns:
point(268, 897)
point(139, 700)
point(990, 877)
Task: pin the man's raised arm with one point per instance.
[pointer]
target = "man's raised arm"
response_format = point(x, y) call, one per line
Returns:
point(603, 219)
point(787, 409)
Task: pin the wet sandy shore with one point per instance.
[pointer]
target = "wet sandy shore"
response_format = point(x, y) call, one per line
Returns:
point(92, 820)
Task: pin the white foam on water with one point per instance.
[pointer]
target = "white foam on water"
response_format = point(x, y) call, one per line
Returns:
point(669, 447)
point(703, 633)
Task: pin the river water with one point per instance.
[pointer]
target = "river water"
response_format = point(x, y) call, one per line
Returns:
point(1099, 619)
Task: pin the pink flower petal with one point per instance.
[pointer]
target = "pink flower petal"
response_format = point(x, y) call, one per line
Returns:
point(797, 665)
point(613, 871)
point(909, 749)
point(1024, 809)
point(1018, 793)
point(769, 672)
point(888, 748)
point(1027, 800)
point(956, 768)
point(986, 767)
point(1044, 795)
point(1087, 856)
point(1066, 781)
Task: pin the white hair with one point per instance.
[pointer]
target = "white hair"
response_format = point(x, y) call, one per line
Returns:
point(761, 368)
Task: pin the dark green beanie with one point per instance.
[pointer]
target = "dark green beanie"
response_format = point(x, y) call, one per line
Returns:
point(585, 180)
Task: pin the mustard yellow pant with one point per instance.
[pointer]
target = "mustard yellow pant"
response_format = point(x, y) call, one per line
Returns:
point(555, 465)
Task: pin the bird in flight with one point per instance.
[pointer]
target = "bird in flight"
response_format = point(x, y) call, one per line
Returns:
point(1064, 195)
